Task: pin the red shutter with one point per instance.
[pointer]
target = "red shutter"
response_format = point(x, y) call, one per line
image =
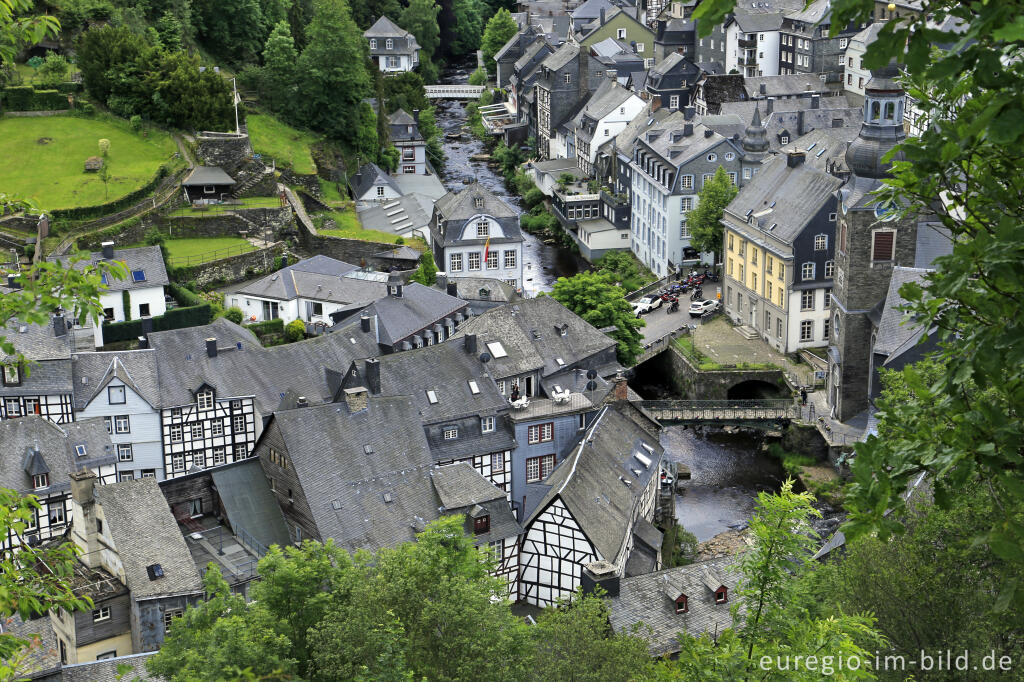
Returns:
point(882, 249)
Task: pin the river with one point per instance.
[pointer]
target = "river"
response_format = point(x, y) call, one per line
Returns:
point(542, 263)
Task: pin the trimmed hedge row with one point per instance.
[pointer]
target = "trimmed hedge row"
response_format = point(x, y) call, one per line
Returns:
point(89, 212)
point(27, 98)
point(184, 295)
point(266, 328)
point(69, 88)
point(176, 318)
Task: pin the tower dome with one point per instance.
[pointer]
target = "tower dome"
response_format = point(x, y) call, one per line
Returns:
point(883, 125)
point(755, 138)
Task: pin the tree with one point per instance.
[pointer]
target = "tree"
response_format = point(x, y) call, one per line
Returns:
point(104, 175)
point(426, 273)
point(181, 96)
point(468, 27)
point(389, 158)
point(433, 134)
point(420, 19)
point(627, 271)
point(403, 90)
point(500, 29)
point(233, 29)
point(333, 72)
point(573, 641)
point(366, 12)
point(99, 50)
point(963, 172)
point(170, 31)
point(54, 70)
point(595, 297)
point(277, 80)
point(706, 219)
point(104, 146)
point(367, 136)
point(295, 330)
point(234, 314)
point(18, 30)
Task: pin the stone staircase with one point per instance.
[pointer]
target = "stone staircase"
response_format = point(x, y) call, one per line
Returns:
point(253, 174)
point(747, 332)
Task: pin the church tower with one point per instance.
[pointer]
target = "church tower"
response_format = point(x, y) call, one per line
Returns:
point(754, 145)
point(870, 241)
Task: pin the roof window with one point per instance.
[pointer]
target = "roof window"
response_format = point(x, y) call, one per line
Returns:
point(473, 388)
point(497, 350)
point(138, 275)
point(80, 449)
point(432, 397)
point(155, 571)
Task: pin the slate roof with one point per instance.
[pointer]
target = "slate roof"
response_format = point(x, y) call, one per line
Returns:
point(463, 490)
point(369, 176)
point(48, 356)
point(418, 307)
point(527, 332)
point(624, 141)
point(426, 185)
point(868, 35)
point(644, 599)
point(819, 10)
point(249, 503)
point(149, 259)
point(933, 241)
point(385, 28)
point(591, 9)
point(779, 86)
point(94, 370)
point(207, 175)
point(409, 212)
point(469, 288)
point(608, 97)
point(106, 670)
point(345, 486)
point(531, 52)
point(562, 56)
point(56, 448)
point(823, 147)
point(677, 150)
point(462, 205)
point(754, 22)
point(797, 193)
point(43, 656)
point(894, 328)
point(400, 122)
point(319, 278)
point(589, 480)
point(144, 532)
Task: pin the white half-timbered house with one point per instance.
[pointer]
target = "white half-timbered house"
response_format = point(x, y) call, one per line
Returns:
point(598, 506)
point(209, 432)
point(41, 383)
point(36, 458)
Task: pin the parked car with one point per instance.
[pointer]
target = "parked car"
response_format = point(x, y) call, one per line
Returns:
point(699, 308)
point(646, 304)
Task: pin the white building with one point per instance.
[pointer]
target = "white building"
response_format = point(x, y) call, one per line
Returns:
point(752, 43)
point(605, 115)
point(393, 48)
point(476, 234)
point(856, 76)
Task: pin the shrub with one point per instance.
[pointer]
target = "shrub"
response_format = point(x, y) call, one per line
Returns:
point(267, 327)
point(234, 314)
point(295, 330)
point(400, 241)
point(135, 122)
point(183, 295)
point(478, 77)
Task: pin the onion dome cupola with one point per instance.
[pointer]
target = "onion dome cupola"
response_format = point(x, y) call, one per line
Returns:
point(884, 100)
point(755, 138)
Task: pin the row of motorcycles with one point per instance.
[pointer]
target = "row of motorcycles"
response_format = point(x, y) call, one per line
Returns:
point(692, 283)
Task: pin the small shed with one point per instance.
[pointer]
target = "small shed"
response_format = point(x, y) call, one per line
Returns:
point(93, 164)
point(208, 183)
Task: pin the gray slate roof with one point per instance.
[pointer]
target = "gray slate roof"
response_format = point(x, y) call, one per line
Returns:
point(208, 175)
point(527, 332)
point(144, 532)
point(94, 370)
point(462, 205)
point(426, 185)
point(754, 22)
point(56, 447)
point(149, 259)
point(933, 241)
point(36, 342)
point(562, 56)
point(319, 278)
point(645, 599)
point(894, 328)
point(409, 212)
point(370, 175)
point(385, 28)
point(589, 480)
point(798, 194)
point(778, 86)
point(463, 490)
point(106, 670)
point(418, 307)
point(250, 504)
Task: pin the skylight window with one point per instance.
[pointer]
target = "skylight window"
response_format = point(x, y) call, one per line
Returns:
point(432, 397)
point(80, 449)
point(643, 459)
point(560, 361)
point(473, 388)
point(497, 350)
point(138, 275)
point(103, 278)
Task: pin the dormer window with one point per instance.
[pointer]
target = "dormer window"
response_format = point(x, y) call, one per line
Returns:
point(205, 400)
point(482, 524)
point(722, 595)
point(389, 44)
point(12, 375)
point(451, 433)
point(483, 228)
point(682, 605)
point(40, 481)
point(478, 202)
point(373, 43)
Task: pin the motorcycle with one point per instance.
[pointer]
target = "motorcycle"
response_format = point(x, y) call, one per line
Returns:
point(697, 294)
point(674, 308)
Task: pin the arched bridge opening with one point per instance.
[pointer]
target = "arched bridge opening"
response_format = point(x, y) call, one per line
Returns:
point(756, 389)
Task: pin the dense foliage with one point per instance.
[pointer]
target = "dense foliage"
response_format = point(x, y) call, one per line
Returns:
point(705, 220)
point(500, 29)
point(596, 298)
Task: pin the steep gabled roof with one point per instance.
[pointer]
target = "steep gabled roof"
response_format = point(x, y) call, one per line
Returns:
point(896, 329)
point(148, 259)
point(397, 318)
point(368, 176)
point(22, 438)
point(385, 28)
point(93, 371)
point(463, 205)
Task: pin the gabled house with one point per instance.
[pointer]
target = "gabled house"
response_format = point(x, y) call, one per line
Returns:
point(673, 80)
point(371, 183)
point(675, 32)
point(41, 383)
point(604, 116)
point(393, 48)
point(406, 136)
point(593, 506)
point(786, 120)
point(133, 563)
point(694, 599)
point(622, 24)
point(407, 216)
point(312, 290)
point(561, 84)
point(475, 233)
point(122, 388)
point(36, 458)
point(411, 316)
point(208, 184)
point(807, 46)
point(140, 292)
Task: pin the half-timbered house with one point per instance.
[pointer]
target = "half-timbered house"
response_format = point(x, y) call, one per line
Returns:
point(40, 383)
point(36, 457)
point(593, 505)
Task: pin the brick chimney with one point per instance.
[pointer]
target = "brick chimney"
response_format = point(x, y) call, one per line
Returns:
point(620, 388)
point(84, 525)
point(655, 103)
point(356, 398)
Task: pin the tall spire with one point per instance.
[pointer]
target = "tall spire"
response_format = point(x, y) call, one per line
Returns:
point(755, 138)
point(883, 125)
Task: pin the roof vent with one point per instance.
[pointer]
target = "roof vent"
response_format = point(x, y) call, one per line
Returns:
point(626, 481)
point(368, 449)
point(336, 504)
point(388, 499)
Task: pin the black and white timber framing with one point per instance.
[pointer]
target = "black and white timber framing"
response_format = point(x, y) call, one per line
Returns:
point(209, 432)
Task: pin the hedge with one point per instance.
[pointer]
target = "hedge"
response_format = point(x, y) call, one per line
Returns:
point(27, 98)
point(184, 296)
point(69, 88)
point(89, 212)
point(175, 318)
point(267, 327)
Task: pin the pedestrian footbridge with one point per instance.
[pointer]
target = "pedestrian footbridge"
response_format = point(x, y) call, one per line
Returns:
point(721, 411)
point(454, 91)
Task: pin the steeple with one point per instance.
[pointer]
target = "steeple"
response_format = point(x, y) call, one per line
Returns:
point(883, 125)
point(755, 139)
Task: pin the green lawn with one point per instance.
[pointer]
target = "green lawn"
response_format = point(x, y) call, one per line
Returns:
point(216, 209)
point(203, 249)
point(44, 159)
point(348, 226)
point(332, 195)
point(288, 146)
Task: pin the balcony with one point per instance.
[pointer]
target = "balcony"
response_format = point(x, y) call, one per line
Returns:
point(748, 59)
point(614, 200)
point(747, 43)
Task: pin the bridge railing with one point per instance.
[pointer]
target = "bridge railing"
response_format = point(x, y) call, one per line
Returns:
point(739, 410)
point(772, 403)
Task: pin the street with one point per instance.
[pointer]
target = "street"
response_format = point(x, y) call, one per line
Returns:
point(660, 322)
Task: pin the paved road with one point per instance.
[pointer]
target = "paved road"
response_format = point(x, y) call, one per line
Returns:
point(661, 322)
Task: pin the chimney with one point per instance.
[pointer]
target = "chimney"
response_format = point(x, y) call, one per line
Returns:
point(762, 88)
point(471, 344)
point(441, 279)
point(655, 103)
point(815, 101)
point(794, 159)
point(84, 530)
point(211, 347)
point(452, 289)
point(301, 401)
point(688, 113)
point(602, 16)
point(364, 323)
point(108, 250)
point(620, 387)
point(770, 107)
point(708, 132)
point(800, 123)
point(601, 574)
point(416, 116)
point(143, 343)
point(372, 369)
point(147, 324)
point(12, 281)
point(60, 326)
point(356, 398)
point(687, 130)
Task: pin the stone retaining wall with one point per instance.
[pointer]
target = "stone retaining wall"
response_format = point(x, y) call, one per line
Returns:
point(310, 183)
point(692, 384)
point(233, 268)
point(227, 150)
point(354, 251)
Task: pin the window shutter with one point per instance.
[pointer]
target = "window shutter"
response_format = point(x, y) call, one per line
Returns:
point(883, 246)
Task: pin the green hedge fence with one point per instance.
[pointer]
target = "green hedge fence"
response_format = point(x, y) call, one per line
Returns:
point(175, 318)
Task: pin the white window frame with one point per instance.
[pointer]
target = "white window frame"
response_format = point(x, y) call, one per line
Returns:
point(455, 262)
point(238, 424)
point(830, 269)
point(451, 433)
point(806, 272)
point(471, 257)
point(806, 330)
point(124, 452)
point(101, 614)
point(821, 242)
point(486, 424)
point(177, 433)
point(204, 399)
point(122, 423)
point(510, 259)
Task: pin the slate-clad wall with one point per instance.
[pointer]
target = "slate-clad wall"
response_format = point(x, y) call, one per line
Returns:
point(150, 619)
point(284, 479)
point(87, 631)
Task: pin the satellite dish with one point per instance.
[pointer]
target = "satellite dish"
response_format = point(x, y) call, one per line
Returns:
point(591, 374)
point(485, 357)
point(591, 385)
